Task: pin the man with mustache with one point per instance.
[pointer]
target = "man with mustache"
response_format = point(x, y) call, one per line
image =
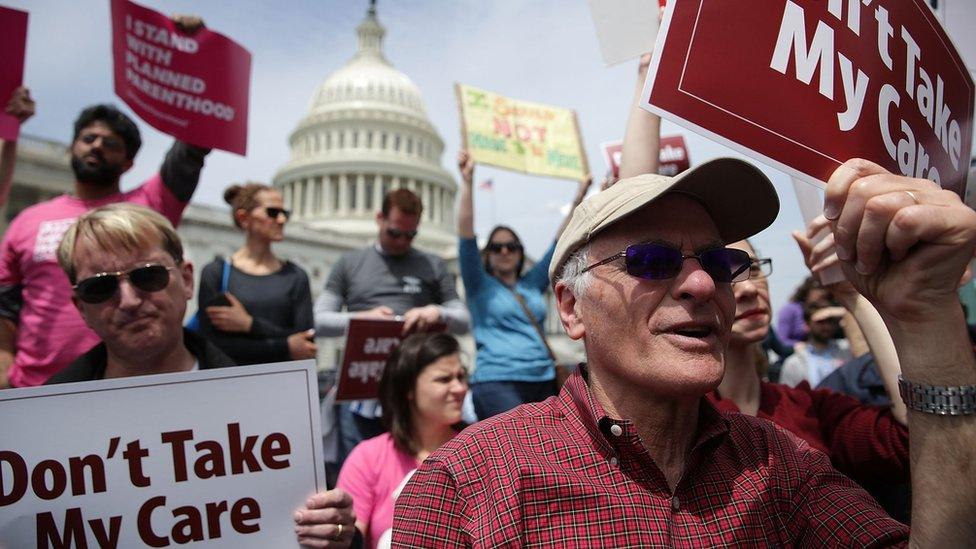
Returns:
point(40, 331)
point(631, 453)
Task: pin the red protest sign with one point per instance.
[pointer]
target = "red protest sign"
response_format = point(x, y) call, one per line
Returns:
point(369, 344)
point(194, 88)
point(672, 159)
point(13, 45)
point(806, 84)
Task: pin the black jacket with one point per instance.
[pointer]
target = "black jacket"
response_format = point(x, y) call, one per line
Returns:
point(91, 365)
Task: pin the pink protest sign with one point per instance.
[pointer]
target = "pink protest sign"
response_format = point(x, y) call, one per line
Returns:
point(672, 159)
point(13, 45)
point(805, 84)
point(194, 88)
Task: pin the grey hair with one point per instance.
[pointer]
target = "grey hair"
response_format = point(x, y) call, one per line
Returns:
point(573, 275)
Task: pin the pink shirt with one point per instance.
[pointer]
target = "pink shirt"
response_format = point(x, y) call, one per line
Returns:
point(50, 332)
point(372, 474)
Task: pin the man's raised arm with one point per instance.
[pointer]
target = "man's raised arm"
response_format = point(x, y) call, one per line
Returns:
point(905, 243)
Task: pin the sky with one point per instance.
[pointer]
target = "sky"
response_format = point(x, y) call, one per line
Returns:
point(541, 50)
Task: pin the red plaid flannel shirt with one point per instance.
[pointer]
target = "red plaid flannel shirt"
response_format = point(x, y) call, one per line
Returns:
point(562, 473)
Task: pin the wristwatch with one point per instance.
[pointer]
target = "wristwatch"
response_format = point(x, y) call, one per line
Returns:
point(955, 400)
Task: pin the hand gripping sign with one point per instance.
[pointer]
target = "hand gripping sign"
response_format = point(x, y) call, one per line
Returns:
point(194, 88)
point(215, 457)
point(806, 84)
point(13, 43)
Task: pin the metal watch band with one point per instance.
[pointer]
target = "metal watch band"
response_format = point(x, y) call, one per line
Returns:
point(955, 400)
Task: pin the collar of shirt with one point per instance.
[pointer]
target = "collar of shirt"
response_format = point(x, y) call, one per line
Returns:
point(618, 441)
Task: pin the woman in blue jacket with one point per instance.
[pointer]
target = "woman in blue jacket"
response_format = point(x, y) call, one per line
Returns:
point(508, 309)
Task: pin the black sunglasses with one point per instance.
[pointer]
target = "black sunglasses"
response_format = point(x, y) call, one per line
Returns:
point(659, 262)
point(497, 247)
point(151, 277)
point(396, 233)
point(273, 213)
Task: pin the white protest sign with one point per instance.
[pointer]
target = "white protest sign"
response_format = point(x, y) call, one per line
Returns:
point(625, 28)
point(219, 457)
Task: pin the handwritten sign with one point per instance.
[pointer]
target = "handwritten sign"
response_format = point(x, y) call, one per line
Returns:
point(216, 456)
point(195, 88)
point(806, 84)
point(13, 45)
point(672, 159)
point(519, 135)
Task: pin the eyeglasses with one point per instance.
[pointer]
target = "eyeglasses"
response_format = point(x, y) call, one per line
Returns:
point(151, 277)
point(659, 262)
point(273, 213)
point(761, 267)
point(497, 247)
point(396, 233)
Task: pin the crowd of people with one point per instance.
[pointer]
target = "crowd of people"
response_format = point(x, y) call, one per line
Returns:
point(691, 422)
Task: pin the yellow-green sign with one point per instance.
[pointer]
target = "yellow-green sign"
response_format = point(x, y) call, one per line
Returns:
point(521, 136)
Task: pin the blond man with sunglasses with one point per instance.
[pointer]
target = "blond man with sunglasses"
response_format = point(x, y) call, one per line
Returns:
point(131, 283)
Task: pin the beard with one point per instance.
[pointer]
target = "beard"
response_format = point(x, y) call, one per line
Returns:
point(102, 175)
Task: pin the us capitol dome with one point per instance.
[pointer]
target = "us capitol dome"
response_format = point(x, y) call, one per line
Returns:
point(367, 132)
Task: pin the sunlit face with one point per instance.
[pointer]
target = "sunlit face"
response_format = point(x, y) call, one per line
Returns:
point(135, 324)
point(395, 231)
point(98, 155)
point(259, 223)
point(439, 392)
point(666, 337)
point(752, 310)
point(506, 259)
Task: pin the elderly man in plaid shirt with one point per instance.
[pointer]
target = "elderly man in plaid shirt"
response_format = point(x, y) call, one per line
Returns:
point(630, 454)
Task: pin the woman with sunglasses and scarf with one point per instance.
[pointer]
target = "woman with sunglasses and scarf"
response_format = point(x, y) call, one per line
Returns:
point(265, 314)
point(508, 309)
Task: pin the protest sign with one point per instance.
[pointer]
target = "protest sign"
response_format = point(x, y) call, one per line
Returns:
point(805, 84)
point(672, 159)
point(13, 45)
point(194, 88)
point(625, 28)
point(369, 344)
point(220, 457)
point(519, 135)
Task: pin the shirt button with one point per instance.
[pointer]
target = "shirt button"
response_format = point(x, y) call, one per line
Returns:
point(616, 430)
point(675, 503)
point(613, 462)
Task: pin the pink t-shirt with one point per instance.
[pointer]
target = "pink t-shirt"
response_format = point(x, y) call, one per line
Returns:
point(50, 332)
point(372, 474)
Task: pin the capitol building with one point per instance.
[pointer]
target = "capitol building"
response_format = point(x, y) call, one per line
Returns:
point(366, 132)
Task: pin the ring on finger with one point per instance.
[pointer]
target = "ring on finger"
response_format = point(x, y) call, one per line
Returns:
point(913, 197)
point(338, 534)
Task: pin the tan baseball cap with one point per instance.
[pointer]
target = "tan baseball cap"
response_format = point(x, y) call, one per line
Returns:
point(737, 195)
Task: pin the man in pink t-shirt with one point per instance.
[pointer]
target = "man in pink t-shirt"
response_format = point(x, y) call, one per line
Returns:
point(41, 331)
